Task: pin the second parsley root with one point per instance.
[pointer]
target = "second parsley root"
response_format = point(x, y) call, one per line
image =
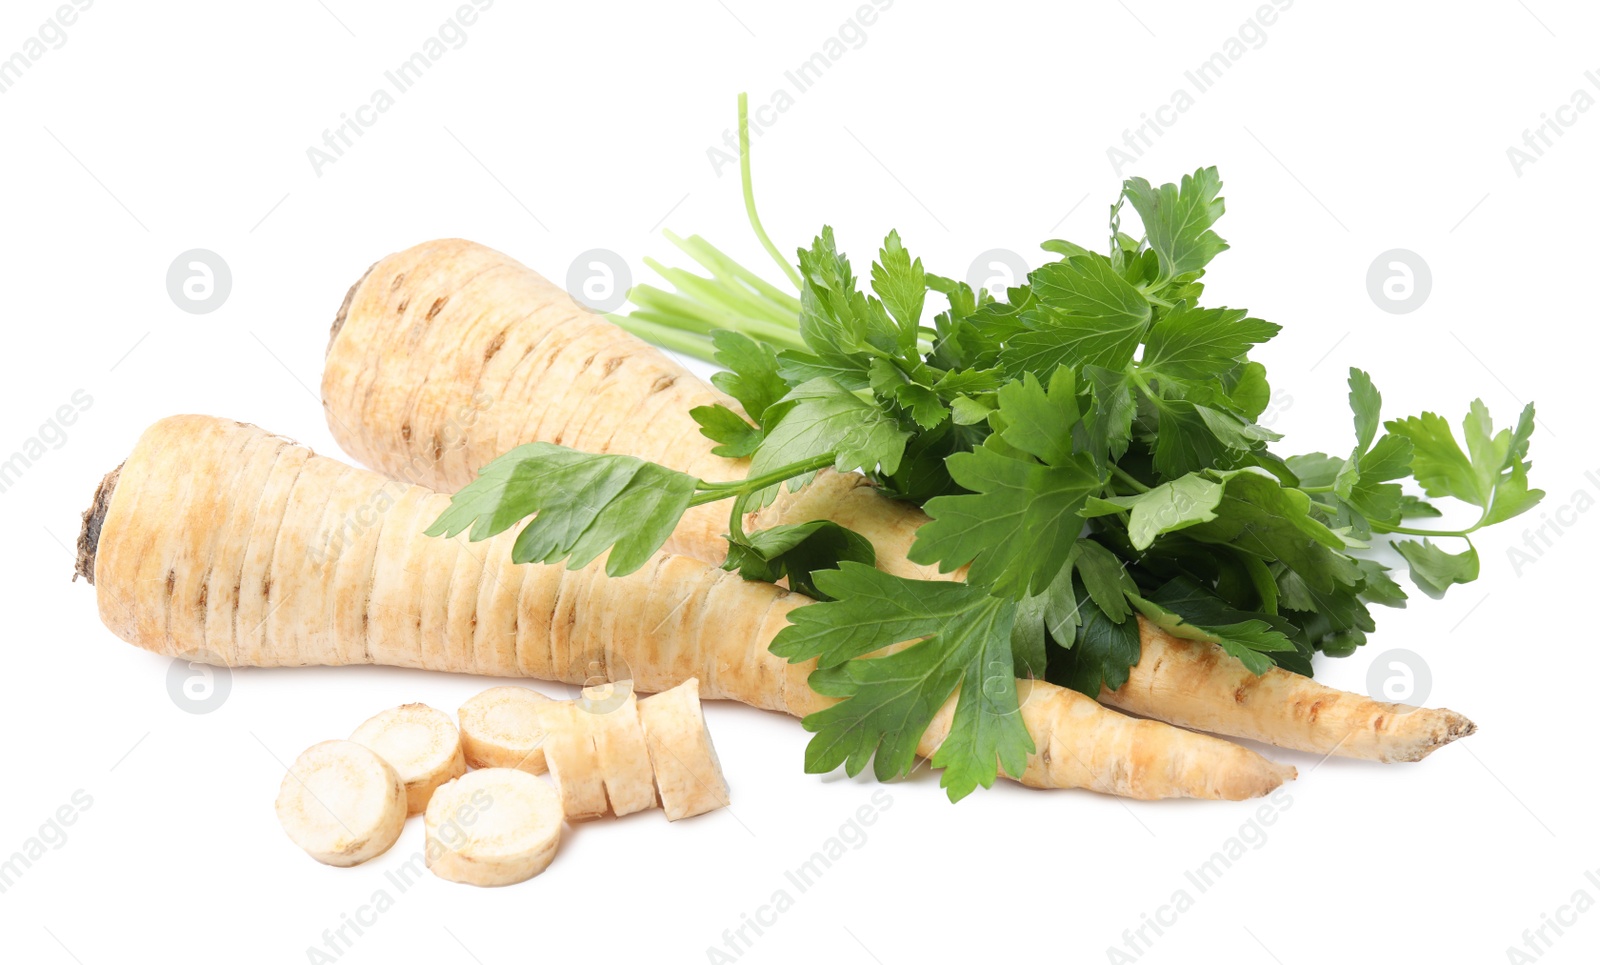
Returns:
point(448, 354)
point(222, 542)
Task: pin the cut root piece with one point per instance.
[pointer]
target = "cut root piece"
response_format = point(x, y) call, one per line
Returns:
point(687, 773)
point(497, 826)
point(619, 740)
point(420, 743)
point(574, 761)
point(342, 803)
point(504, 727)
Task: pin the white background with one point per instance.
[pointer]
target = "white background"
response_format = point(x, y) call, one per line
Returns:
point(1355, 128)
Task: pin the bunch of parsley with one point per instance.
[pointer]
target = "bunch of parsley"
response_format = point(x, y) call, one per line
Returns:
point(1087, 449)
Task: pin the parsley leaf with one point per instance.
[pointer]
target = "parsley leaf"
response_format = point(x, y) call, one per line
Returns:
point(1435, 570)
point(820, 417)
point(887, 702)
point(797, 551)
point(1090, 315)
point(901, 284)
point(752, 378)
point(585, 505)
point(1178, 218)
point(1196, 343)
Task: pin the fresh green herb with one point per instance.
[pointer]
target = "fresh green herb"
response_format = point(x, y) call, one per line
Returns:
point(1088, 449)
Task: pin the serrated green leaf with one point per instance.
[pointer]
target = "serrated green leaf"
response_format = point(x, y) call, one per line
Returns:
point(1189, 342)
point(888, 702)
point(735, 437)
point(1177, 219)
point(822, 417)
point(1102, 652)
point(752, 378)
point(1435, 570)
point(797, 552)
point(1365, 403)
point(1040, 422)
point(583, 505)
point(901, 284)
point(1169, 507)
point(1016, 524)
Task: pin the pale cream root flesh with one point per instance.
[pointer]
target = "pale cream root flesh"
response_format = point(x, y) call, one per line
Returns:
point(342, 803)
point(575, 762)
point(420, 743)
point(495, 826)
point(448, 354)
point(619, 740)
point(688, 776)
point(504, 727)
point(403, 599)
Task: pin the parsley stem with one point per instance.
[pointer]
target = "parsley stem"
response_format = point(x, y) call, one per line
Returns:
point(666, 336)
point(1413, 531)
point(750, 193)
point(711, 492)
point(729, 271)
point(1123, 475)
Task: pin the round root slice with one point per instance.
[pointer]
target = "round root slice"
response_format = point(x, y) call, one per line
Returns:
point(574, 761)
point(687, 773)
point(420, 743)
point(342, 803)
point(504, 727)
point(497, 826)
point(624, 758)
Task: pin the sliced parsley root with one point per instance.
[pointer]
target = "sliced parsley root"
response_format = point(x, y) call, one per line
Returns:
point(222, 542)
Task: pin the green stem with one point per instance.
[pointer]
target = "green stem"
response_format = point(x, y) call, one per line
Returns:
point(1413, 531)
point(1123, 475)
point(750, 193)
point(724, 267)
point(717, 291)
point(676, 339)
point(713, 491)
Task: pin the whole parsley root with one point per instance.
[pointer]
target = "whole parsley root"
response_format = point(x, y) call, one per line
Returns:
point(224, 543)
point(428, 327)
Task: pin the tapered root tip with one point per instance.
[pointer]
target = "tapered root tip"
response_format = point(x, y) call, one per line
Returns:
point(89, 533)
point(1440, 727)
point(1261, 783)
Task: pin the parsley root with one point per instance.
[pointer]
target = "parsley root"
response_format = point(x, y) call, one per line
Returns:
point(448, 354)
point(225, 543)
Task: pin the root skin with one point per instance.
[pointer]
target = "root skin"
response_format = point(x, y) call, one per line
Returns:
point(223, 540)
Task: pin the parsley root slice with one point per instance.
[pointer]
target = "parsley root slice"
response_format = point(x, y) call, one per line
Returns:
point(504, 727)
point(224, 543)
point(686, 768)
point(420, 743)
point(448, 354)
point(342, 803)
point(492, 827)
